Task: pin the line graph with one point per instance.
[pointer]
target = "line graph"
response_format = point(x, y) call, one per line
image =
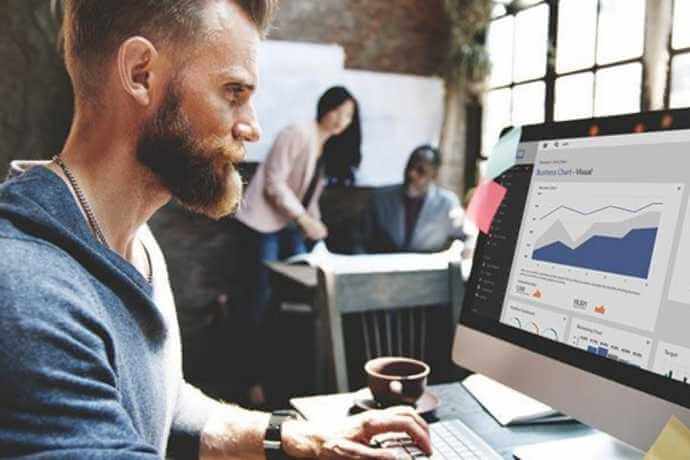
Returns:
point(599, 248)
point(596, 211)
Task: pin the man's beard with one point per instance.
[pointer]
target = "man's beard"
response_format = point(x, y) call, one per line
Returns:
point(199, 174)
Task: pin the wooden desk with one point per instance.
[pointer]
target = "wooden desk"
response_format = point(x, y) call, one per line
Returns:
point(457, 403)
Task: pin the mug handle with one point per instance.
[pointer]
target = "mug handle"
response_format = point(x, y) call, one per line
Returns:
point(396, 387)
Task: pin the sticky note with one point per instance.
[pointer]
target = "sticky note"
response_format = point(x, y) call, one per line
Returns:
point(672, 444)
point(485, 203)
point(504, 154)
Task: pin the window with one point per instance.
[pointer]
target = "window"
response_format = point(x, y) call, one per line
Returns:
point(596, 67)
point(680, 55)
point(518, 46)
point(599, 58)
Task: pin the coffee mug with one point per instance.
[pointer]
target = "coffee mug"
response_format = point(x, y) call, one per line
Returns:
point(396, 380)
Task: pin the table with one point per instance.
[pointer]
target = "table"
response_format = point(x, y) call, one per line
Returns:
point(456, 402)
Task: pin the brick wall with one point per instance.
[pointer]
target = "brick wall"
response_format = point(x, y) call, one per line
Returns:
point(403, 36)
point(36, 106)
point(400, 36)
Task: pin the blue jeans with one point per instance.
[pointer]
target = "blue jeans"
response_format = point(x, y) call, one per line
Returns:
point(271, 247)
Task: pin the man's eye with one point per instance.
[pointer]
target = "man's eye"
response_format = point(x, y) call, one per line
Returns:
point(234, 90)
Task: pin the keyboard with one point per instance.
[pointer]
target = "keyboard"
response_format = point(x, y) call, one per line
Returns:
point(451, 439)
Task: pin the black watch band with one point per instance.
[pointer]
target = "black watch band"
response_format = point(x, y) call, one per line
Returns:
point(273, 442)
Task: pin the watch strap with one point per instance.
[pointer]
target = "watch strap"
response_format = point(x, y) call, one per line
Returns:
point(273, 443)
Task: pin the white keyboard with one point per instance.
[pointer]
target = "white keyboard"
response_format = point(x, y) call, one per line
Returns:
point(451, 439)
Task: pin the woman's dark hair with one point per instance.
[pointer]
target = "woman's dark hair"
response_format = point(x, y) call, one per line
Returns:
point(424, 153)
point(342, 154)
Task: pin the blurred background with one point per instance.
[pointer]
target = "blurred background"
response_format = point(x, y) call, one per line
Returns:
point(447, 72)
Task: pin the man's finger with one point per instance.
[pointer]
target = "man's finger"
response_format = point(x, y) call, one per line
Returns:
point(400, 423)
point(350, 450)
point(410, 412)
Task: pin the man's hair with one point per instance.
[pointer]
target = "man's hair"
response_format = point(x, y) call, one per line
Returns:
point(94, 29)
point(424, 154)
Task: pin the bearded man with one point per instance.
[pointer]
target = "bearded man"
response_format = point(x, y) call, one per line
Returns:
point(90, 359)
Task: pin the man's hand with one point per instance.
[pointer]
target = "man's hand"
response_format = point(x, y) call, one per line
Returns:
point(349, 438)
point(312, 228)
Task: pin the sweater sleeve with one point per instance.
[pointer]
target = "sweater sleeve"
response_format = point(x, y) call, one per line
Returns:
point(59, 396)
point(191, 414)
point(287, 149)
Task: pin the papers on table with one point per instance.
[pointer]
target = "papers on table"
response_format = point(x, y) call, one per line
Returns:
point(325, 408)
point(320, 256)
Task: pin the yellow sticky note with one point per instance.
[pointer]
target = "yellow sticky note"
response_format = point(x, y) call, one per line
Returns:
point(672, 444)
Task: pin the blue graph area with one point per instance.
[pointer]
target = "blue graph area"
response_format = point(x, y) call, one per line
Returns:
point(630, 255)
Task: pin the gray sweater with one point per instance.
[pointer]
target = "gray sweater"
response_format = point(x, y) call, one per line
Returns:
point(90, 361)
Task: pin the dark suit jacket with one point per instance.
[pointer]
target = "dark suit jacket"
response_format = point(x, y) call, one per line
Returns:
point(383, 226)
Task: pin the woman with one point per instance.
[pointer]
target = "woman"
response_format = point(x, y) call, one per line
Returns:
point(280, 210)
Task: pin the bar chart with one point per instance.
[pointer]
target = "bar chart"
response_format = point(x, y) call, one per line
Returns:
point(615, 344)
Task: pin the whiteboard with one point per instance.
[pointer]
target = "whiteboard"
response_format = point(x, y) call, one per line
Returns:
point(398, 112)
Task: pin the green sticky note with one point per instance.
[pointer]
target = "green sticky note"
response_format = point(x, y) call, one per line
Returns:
point(503, 156)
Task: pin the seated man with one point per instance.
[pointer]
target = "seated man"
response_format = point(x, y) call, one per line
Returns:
point(90, 357)
point(415, 216)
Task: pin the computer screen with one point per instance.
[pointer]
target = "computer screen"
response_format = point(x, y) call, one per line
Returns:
point(588, 258)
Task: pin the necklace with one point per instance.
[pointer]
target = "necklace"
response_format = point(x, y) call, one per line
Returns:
point(91, 217)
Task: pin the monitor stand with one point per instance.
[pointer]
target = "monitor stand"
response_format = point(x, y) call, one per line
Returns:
point(598, 445)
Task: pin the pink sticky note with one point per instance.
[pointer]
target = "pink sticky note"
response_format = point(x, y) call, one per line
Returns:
point(484, 205)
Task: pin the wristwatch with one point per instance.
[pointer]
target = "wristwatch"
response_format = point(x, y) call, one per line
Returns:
point(273, 443)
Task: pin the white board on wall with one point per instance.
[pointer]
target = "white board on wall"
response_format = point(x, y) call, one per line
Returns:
point(398, 112)
point(292, 77)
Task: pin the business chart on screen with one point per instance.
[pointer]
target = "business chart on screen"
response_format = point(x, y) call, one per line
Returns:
point(602, 259)
point(593, 247)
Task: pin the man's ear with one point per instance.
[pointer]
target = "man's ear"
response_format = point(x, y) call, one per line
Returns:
point(137, 67)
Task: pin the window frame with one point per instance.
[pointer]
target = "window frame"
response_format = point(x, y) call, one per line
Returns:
point(672, 54)
point(551, 75)
point(548, 87)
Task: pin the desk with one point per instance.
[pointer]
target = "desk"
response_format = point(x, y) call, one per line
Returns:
point(456, 402)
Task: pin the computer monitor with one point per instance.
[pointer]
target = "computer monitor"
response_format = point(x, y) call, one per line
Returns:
point(579, 295)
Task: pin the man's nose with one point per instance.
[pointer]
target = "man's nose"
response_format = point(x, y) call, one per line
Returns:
point(247, 127)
